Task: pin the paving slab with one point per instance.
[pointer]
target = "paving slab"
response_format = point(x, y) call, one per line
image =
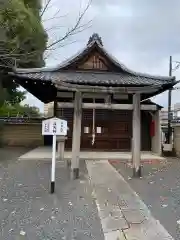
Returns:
point(129, 201)
point(109, 212)
point(150, 229)
point(138, 222)
point(134, 216)
point(110, 224)
point(114, 235)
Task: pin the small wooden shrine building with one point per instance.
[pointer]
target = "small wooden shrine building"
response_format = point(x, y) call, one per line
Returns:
point(103, 101)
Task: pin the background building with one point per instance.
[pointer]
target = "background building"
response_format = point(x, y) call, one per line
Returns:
point(164, 118)
point(48, 109)
point(175, 114)
point(177, 110)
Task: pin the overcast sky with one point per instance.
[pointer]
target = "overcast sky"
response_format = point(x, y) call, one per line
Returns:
point(140, 33)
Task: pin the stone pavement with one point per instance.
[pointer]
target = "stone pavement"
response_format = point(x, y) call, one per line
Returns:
point(29, 212)
point(123, 215)
point(100, 205)
point(159, 189)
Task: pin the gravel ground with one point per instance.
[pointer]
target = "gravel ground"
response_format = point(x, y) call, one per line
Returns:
point(29, 212)
point(159, 189)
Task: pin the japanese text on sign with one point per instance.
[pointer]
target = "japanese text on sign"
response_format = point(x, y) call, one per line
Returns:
point(46, 127)
point(54, 126)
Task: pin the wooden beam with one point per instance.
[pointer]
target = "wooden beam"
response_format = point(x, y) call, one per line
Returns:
point(136, 141)
point(107, 106)
point(64, 94)
point(84, 95)
point(76, 141)
point(94, 95)
point(108, 90)
point(120, 96)
point(102, 89)
point(150, 107)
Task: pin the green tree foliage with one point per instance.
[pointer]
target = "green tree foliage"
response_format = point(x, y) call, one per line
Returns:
point(25, 38)
point(22, 42)
point(18, 110)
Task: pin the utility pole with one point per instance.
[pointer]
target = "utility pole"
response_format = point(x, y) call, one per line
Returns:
point(169, 104)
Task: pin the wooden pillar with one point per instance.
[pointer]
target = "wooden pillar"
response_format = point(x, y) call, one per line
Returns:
point(76, 141)
point(156, 140)
point(55, 108)
point(61, 150)
point(136, 145)
point(61, 144)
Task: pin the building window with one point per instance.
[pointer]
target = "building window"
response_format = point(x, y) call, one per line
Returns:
point(86, 129)
point(98, 130)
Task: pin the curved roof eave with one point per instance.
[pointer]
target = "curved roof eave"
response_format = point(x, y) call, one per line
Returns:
point(81, 53)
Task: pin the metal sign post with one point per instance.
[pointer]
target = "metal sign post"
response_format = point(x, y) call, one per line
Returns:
point(53, 167)
point(55, 127)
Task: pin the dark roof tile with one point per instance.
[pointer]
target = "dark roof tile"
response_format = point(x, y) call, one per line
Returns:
point(94, 78)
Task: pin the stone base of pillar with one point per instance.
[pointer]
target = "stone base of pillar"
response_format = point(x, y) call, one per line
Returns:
point(137, 173)
point(68, 163)
point(75, 173)
point(52, 187)
point(168, 150)
point(169, 153)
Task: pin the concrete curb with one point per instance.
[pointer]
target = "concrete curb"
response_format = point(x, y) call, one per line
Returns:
point(143, 161)
point(125, 161)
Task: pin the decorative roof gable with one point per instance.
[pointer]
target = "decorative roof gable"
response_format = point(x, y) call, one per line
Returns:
point(92, 57)
point(95, 62)
point(95, 38)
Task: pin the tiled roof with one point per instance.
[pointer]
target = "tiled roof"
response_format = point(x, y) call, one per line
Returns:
point(124, 76)
point(95, 78)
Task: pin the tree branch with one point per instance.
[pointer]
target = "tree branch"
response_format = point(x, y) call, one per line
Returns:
point(74, 28)
point(54, 49)
point(45, 8)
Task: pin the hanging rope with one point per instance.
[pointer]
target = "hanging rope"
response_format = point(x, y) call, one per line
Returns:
point(93, 126)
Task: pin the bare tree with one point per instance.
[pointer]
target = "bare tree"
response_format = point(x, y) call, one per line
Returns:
point(76, 28)
point(10, 58)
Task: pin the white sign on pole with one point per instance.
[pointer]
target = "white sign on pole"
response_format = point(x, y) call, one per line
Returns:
point(55, 127)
